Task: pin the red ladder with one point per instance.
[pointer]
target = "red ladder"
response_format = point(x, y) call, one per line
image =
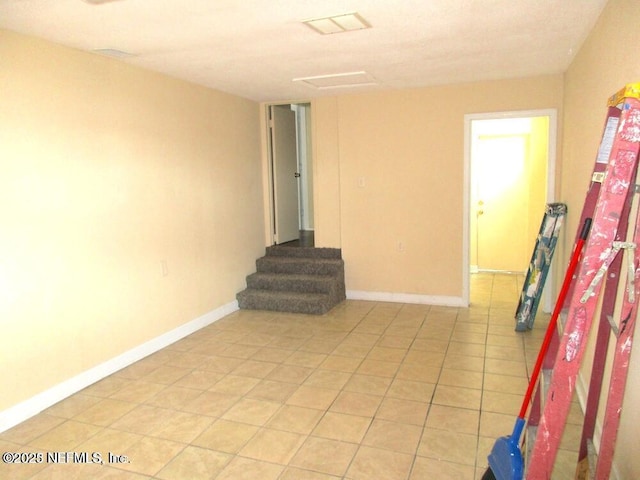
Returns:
point(608, 203)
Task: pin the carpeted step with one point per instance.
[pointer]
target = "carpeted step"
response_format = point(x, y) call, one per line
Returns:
point(299, 265)
point(295, 279)
point(304, 252)
point(294, 302)
point(292, 282)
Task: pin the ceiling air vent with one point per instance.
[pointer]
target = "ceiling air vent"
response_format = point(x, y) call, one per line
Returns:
point(339, 80)
point(337, 24)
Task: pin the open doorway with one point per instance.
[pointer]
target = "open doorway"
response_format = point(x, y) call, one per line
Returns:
point(291, 173)
point(509, 171)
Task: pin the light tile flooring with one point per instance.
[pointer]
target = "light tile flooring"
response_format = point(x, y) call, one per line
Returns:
point(369, 391)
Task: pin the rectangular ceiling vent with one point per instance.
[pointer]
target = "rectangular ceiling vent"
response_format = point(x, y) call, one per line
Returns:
point(339, 80)
point(346, 22)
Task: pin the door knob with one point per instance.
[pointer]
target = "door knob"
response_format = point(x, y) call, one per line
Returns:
point(480, 212)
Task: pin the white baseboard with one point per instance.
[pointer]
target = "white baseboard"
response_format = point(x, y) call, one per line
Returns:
point(406, 298)
point(36, 404)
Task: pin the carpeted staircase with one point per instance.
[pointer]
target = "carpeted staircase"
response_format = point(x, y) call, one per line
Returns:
point(295, 279)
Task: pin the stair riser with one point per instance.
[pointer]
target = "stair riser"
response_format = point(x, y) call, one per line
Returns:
point(319, 285)
point(303, 252)
point(303, 267)
point(249, 302)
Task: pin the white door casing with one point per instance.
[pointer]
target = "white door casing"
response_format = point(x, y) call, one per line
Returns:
point(466, 201)
point(285, 173)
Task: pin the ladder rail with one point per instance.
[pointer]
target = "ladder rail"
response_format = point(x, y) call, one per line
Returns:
point(602, 159)
point(613, 194)
point(601, 348)
point(620, 364)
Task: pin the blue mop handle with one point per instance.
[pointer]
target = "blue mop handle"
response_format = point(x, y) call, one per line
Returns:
point(517, 430)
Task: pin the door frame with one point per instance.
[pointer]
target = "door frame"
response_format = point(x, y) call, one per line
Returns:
point(552, 113)
point(285, 166)
point(269, 177)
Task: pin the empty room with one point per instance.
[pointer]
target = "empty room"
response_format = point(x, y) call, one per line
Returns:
point(287, 240)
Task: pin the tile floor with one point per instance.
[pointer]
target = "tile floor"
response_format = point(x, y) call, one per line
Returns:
point(369, 391)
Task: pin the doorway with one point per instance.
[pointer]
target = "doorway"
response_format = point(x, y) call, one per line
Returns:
point(509, 173)
point(291, 173)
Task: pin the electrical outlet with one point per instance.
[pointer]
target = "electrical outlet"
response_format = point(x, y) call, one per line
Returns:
point(400, 246)
point(361, 182)
point(165, 269)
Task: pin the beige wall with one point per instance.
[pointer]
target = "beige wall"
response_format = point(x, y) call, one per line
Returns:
point(326, 172)
point(106, 171)
point(537, 173)
point(606, 62)
point(408, 149)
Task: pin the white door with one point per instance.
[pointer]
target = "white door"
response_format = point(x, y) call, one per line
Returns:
point(502, 203)
point(285, 173)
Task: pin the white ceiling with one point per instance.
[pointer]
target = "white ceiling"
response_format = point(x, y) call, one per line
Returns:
point(256, 48)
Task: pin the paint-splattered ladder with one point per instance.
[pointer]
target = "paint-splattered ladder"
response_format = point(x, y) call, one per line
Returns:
point(609, 201)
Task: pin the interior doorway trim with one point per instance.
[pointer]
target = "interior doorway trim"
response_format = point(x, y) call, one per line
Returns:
point(304, 156)
point(552, 114)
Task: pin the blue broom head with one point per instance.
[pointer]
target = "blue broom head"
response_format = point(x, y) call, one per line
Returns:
point(505, 460)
